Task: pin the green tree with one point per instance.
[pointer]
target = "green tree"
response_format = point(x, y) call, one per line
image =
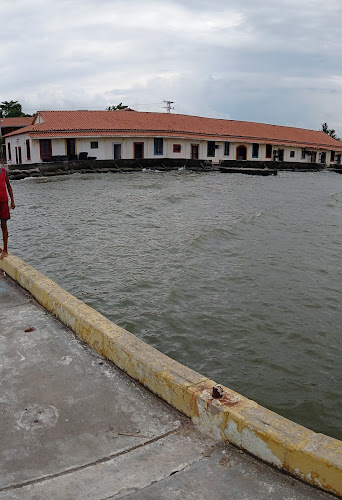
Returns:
point(115, 108)
point(329, 131)
point(10, 109)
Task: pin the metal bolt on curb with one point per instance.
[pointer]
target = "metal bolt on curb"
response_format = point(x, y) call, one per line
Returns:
point(217, 392)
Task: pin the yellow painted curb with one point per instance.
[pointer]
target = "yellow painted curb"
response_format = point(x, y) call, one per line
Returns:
point(314, 458)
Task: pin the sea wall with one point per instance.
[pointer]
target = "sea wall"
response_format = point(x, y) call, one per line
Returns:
point(275, 165)
point(103, 166)
point(217, 410)
point(137, 165)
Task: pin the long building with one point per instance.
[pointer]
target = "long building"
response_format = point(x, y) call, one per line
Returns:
point(105, 135)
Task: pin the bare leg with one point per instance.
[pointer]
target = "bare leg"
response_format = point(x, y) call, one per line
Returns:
point(4, 252)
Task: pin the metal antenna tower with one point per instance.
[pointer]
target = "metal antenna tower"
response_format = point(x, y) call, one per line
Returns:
point(168, 105)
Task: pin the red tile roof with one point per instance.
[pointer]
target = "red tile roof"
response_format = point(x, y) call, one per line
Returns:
point(145, 124)
point(20, 121)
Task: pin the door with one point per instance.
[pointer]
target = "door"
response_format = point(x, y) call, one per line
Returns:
point(45, 149)
point(281, 154)
point(18, 158)
point(313, 157)
point(71, 147)
point(138, 150)
point(194, 151)
point(241, 153)
point(117, 151)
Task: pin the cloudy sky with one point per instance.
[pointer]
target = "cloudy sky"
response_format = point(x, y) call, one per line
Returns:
point(272, 61)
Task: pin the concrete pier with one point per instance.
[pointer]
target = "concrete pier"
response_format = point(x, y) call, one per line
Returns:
point(74, 426)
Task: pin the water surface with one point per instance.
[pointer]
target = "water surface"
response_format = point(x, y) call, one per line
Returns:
point(238, 277)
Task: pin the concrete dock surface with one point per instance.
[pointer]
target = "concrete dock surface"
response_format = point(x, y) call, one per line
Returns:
point(74, 426)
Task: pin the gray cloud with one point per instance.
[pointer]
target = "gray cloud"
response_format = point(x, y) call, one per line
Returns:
point(276, 62)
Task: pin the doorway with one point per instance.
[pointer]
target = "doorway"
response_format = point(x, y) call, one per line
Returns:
point(117, 151)
point(138, 150)
point(194, 151)
point(18, 158)
point(71, 147)
point(241, 153)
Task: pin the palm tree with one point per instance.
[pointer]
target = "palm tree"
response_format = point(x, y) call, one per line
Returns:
point(329, 131)
point(116, 108)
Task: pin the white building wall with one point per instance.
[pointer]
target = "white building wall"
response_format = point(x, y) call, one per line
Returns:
point(105, 150)
point(18, 141)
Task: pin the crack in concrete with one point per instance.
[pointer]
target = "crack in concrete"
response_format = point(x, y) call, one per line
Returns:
point(92, 464)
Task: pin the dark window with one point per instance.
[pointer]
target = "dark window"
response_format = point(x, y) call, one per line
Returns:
point(268, 150)
point(211, 148)
point(303, 153)
point(45, 149)
point(177, 148)
point(28, 149)
point(158, 146)
point(255, 151)
point(94, 144)
point(332, 156)
point(9, 151)
point(292, 154)
point(226, 148)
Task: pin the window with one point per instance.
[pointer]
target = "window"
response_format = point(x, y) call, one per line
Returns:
point(255, 151)
point(211, 148)
point(28, 149)
point(9, 151)
point(158, 146)
point(332, 156)
point(303, 153)
point(268, 150)
point(226, 148)
point(177, 148)
point(292, 154)
point(94, 144)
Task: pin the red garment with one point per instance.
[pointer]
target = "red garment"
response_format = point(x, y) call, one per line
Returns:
point(4, 210)
point(3, 187)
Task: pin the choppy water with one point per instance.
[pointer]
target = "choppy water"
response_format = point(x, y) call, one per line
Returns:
point(238, 277)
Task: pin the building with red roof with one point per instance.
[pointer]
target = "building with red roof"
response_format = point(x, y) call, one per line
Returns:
point(11, 124)
point(128, 134)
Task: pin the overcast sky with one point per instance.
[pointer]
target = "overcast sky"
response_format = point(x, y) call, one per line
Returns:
point(271, 61)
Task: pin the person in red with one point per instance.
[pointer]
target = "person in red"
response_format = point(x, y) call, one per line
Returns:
point(5, 187)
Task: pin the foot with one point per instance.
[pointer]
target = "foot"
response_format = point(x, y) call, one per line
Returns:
point(3, 254)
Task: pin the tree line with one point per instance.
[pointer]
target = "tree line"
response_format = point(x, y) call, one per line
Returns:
point(11, 109)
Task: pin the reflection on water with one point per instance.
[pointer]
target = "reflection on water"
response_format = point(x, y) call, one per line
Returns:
point(237, 277)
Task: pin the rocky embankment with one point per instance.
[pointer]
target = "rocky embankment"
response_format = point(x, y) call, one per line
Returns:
point(103, 166)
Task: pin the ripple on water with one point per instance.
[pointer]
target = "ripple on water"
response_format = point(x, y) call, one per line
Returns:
point(238, 278)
